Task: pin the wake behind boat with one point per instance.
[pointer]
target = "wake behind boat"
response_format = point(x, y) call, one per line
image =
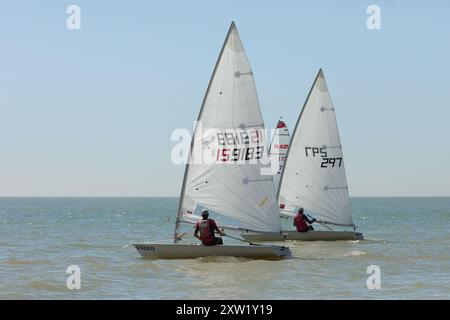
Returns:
point(223, 172)
point(313, 175)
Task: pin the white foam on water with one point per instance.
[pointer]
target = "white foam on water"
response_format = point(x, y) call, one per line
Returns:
point(354, 253)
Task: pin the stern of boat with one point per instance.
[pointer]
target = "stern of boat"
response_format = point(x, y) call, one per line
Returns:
point(359, 236)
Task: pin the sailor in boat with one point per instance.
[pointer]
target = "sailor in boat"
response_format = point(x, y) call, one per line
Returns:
point(207, 228)
point(302, 222)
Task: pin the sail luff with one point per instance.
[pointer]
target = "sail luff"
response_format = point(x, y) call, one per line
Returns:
point(186, 171)
point(295, 131)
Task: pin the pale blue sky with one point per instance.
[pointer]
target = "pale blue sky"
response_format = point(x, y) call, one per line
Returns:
point(90, 112)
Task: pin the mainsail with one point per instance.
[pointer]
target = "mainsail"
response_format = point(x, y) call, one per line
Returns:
point(313, 176)
point(222, 173)
point(278, 150)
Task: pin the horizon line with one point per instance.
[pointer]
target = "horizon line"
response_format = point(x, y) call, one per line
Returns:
point(171, 196)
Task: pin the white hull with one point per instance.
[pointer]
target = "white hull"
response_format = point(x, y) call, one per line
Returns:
point(193, 251)
point(303, 236)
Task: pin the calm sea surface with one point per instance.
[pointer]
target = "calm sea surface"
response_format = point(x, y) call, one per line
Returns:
point(408, 238)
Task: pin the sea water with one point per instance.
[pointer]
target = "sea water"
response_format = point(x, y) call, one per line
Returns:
point(407, 241)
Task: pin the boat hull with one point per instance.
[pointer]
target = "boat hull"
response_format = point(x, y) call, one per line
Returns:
point(193, 251)
point(311, 235)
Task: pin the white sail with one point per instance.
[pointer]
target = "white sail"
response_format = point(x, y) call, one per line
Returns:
point(313, 176)
point(278, 150)
point(220, 174)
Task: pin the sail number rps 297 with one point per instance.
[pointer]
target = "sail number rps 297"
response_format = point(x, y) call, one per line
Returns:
point(327, 162)
point(239, 146)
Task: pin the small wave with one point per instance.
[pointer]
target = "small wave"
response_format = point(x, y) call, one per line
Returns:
point(92, 259)
point(18, 262)
point(97, 263)
point(369, 241)
point(86, 245)
point(47, 286)
point(220, 259)
point(418, 285)
point(144, 265)
point(445, 214)
point(428, 257)
point(354, 253)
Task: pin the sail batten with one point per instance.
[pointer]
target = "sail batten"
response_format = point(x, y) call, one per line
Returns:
point(313, 176)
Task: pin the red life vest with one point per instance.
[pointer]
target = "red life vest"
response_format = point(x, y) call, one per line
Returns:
point(300, 223)
point(206, 230)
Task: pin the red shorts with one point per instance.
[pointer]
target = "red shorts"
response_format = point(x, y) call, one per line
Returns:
point(215, 241)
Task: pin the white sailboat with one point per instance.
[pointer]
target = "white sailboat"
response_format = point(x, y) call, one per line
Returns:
point(278, 150)
point(222, 173)
point(313, 176)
